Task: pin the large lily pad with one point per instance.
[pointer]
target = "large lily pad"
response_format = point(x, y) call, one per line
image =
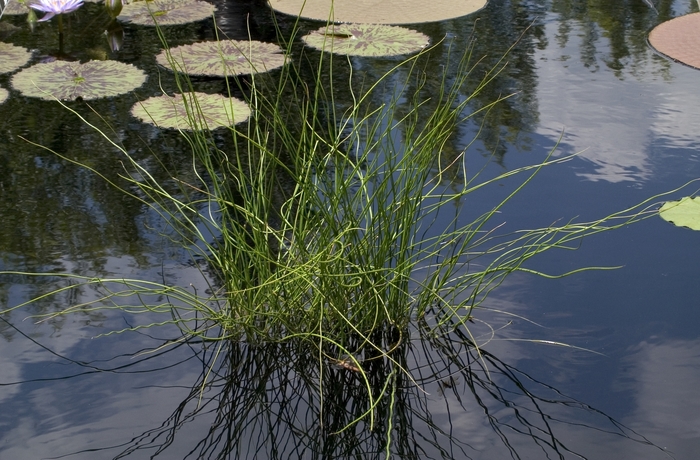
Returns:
point(683, 213)
point(71, 80)
point(378, 12)
point(14, 8)
point(366, 39)
point(3, 95)
point(191, 111)
point(225, 57)
point(679, 39)
point(13, 57)
point(166, 12)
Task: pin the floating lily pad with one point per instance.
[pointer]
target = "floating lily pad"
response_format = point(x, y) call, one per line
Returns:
point(166, 12)
point(366, 40)
point(212, 111)
point(679, 39)
point(683, 213)
point(14, 8)
point(3, 95)
point(378, 12)
point(71, 80)
point(13, 57)
point(225, 57)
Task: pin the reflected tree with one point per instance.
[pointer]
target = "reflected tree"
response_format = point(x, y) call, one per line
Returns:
point(436, 396)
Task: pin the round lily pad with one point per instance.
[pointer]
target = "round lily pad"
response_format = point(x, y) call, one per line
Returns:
point(166, 12)
point(225, 57)
point(206, 111)
point(3, 95)
point(378, 12)
point(14, 8)
point(71, 80)
point(683, 213)
point(366, 39)
point(679, 39)
point(13, 57)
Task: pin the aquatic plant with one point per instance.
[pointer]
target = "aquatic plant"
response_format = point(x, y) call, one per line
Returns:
point(373, 12)
point(3, 95)
point(166, 12)
point(213, 111)
point(366, 40)
point(13, 57)
point(69, 81)
point(682, 213)
point(223, 57)
point(55, 7)
point(16, 8)
point(677, 39)
point(330, 224)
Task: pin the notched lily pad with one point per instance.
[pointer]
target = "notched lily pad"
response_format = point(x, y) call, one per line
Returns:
point(3, 95)
point(366, 40)
point(225, 57)
point(166, 12)
point(191, 111)
point(13, 57)
point(682, 213)
point(71, 80)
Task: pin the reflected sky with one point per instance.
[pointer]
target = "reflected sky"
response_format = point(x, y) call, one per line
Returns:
point(617, 123)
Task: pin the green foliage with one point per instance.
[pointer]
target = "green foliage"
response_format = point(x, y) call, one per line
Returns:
point(366, 40)
point(65, 80)
point(683, 213)
point(173, 112)
point(166, 12)
point(326, 221)
point(13, 57)
point(223, 58)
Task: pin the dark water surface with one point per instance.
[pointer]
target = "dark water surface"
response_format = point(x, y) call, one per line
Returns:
point(584, 78)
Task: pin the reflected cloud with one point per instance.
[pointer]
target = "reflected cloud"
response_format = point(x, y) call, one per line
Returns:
point(663, 380)
point(614, 121)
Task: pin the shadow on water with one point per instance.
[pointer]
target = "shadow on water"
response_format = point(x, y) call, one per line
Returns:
point(281, 401)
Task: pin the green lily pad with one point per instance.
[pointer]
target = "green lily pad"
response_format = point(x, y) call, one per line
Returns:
point(225, 57)
point(366, 40)
point(378, 12)
point(13, 57)
point(15, 8)
point(212, 111)
point(683, 213)
point(3, 95)
point(71, 80)
point(166, 12)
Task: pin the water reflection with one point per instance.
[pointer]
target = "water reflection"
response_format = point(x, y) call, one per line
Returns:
point(275, 401)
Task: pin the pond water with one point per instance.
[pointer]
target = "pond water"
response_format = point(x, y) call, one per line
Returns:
point(584, 80)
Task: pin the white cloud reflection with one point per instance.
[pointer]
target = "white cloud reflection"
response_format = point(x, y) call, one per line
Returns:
point(614, 121)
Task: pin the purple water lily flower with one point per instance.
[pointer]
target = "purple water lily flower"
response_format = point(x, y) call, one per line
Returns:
point(54, 7)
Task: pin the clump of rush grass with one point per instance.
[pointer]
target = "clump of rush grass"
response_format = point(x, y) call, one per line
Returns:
point(325, 216)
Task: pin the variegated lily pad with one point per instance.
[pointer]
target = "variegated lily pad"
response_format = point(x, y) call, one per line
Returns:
point(14, 8)
point(366, 40)
point(191, 111)
point(3, 95)
point(13, 57)
point(225, 57)
point(378, 11)
point(166, 12)
point(71, 80)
